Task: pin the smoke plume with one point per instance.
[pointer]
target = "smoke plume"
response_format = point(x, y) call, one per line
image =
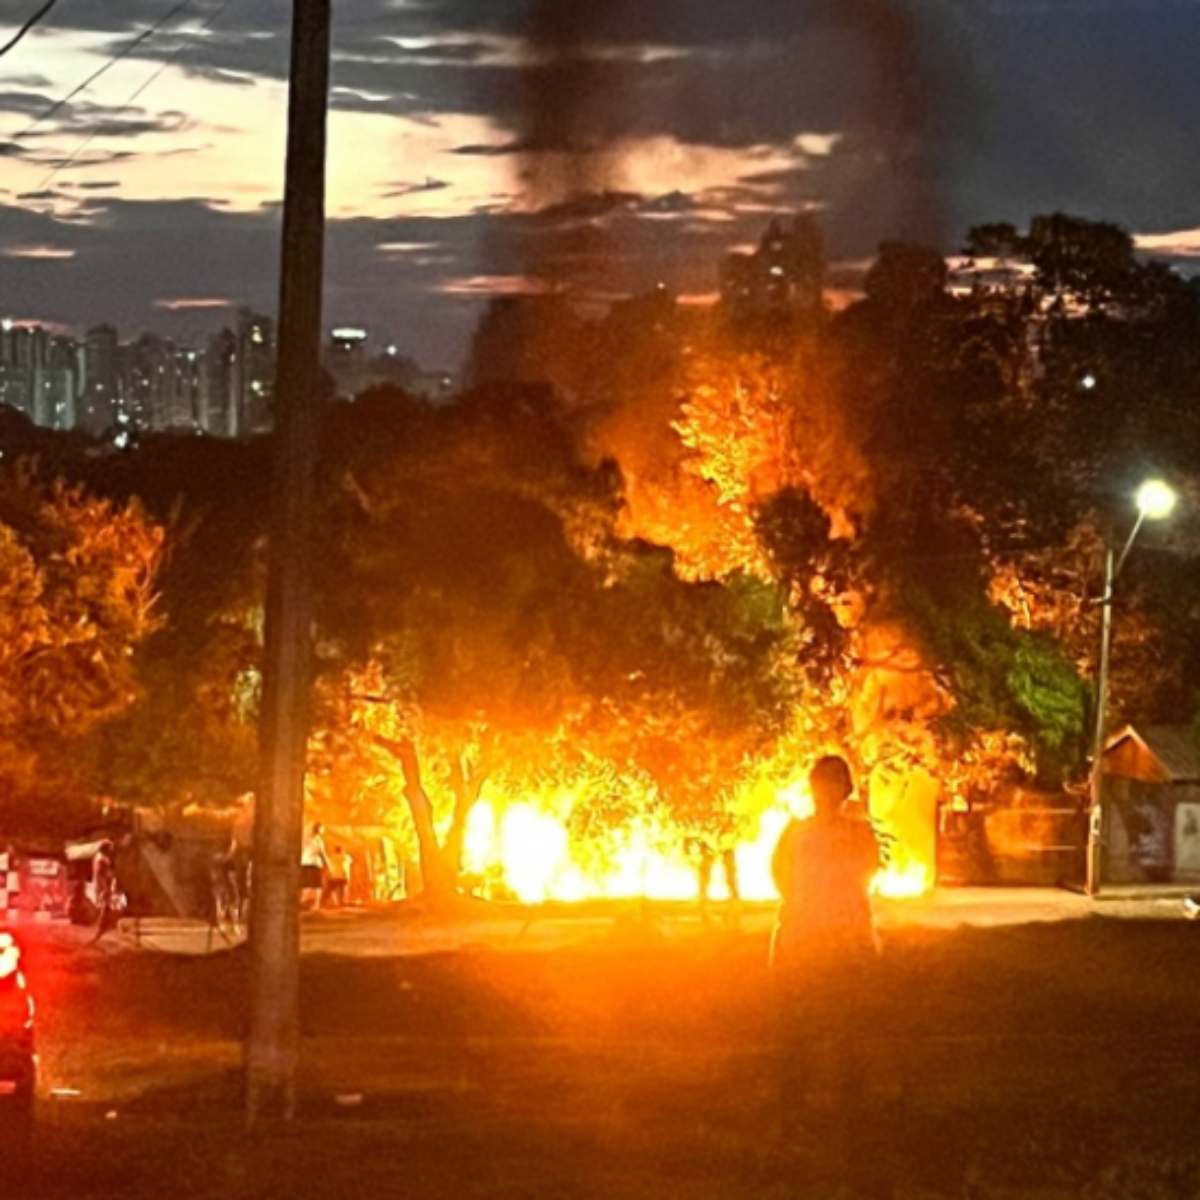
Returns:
point(747, 74)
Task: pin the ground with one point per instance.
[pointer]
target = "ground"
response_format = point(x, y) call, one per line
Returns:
point(632, 1059)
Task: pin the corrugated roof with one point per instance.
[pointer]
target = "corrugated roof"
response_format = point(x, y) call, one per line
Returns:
point(1177, 748)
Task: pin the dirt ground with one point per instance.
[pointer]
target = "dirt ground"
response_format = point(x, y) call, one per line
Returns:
point(1042, 1060)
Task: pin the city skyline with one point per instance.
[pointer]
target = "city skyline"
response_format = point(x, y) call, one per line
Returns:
point(222, 385)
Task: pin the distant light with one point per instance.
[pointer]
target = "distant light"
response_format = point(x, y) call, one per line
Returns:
point(121, 440)
point(348, 333)
point(1088, 382)
point(1156, 499)
point(393, 350)
point(6, 324)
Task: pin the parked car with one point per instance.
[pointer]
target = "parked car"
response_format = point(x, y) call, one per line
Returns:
point(18, 1062)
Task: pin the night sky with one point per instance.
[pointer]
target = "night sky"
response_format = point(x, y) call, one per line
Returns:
point(479, 145)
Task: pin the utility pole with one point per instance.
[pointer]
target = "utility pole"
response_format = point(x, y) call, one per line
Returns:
point(273, 1047)
point(1155, 502)
point(1096, 819)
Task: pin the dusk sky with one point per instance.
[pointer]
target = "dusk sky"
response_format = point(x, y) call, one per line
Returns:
point(598, 144)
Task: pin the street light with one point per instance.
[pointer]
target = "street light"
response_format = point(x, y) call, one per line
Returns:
point(1155, 500)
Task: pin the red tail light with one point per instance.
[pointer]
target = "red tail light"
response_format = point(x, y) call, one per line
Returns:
point(10, 956)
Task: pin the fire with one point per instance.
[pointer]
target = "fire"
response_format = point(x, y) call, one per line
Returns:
point(525, 850)
point(530, 851)
point(902, 882)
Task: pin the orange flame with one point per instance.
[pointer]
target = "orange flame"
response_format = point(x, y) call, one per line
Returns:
point(527, 850)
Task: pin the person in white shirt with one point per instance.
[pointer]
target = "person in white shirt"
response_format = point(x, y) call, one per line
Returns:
point(314, 863)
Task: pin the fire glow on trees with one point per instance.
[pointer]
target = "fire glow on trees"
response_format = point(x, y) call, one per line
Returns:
point(551, 704)
point(581, 632)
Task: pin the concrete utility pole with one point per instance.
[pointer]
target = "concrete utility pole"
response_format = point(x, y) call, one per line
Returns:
point(272, 1050)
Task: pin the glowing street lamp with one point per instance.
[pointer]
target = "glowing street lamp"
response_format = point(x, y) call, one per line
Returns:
point(1155, 501)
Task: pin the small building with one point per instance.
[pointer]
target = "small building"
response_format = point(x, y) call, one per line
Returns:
point(1152, 805)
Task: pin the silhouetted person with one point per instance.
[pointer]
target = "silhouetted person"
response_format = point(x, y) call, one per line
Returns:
point(705, 867)
point(824, 952)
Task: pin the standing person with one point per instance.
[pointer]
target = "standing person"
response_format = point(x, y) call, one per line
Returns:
point(338, 883)
point(314, 863)
point(224, 882)
point(824, 952)
point(708, 861)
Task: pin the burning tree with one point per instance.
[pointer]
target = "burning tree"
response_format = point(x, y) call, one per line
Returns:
point(498, 632)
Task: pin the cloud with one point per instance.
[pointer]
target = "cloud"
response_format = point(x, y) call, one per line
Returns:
point(190, 303)
point(489, 286)
point(406, 247)
point(494, 149)
point(39, 252)
point(1179, 243)
point(416, 189)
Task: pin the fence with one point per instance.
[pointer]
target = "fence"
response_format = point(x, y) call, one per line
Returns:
point(1022, 845)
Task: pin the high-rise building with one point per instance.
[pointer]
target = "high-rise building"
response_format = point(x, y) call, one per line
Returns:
point(160, 384)
point(185, 412)
point(15, 386)
point(15, 379)
point(25, 351)
point(254, 372)
point(56, 385)
point(346, 360)
point(217, 409)
point(38, 374)
point(100, 398)
point(784, 277)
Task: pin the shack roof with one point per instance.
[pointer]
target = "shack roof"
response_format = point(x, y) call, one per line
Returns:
point(1175, 748)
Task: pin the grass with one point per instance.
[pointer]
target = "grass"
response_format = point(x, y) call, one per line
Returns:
point(1055, 1060)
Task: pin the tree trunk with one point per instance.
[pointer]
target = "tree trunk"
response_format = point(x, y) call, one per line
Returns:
point(466, 785)
point(437, 880)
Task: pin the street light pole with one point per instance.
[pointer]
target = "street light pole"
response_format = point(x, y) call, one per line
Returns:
point(1096, 820)
point(1155, 500)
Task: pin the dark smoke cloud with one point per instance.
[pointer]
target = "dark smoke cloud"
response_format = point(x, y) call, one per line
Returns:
point(885, 74)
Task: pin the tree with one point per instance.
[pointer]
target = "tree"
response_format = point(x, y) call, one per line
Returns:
point(190, 736)
point(486, 619)
point(77, 595)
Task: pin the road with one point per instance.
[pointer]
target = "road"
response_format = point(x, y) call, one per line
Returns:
point(398, 931)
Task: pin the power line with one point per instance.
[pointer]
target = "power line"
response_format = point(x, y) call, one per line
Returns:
point(137, 92)
point(16, 37)
point(124, 52)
